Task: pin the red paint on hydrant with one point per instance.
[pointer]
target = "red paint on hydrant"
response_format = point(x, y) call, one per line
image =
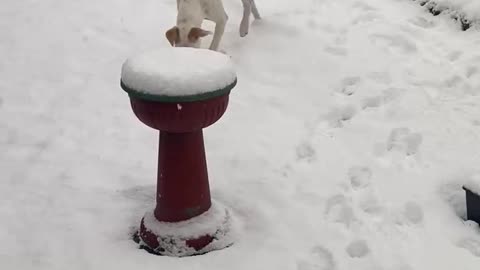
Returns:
point(183, 190)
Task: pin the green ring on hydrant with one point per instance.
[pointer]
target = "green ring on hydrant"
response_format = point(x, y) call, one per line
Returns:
point(175, 99)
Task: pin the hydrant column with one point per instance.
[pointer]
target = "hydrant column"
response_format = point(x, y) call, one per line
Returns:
point(183, 191)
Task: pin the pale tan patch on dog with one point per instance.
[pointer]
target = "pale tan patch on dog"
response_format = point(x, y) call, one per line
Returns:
point(196, 33)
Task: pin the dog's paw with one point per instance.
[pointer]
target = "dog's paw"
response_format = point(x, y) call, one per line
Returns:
point(244, 28)
point(243, 33)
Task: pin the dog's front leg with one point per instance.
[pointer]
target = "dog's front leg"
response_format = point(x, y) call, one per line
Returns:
point(219, 30)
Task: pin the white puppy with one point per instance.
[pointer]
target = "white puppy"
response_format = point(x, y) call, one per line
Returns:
point(191, 13)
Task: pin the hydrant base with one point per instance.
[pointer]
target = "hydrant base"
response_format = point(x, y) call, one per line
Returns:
point(208, 232)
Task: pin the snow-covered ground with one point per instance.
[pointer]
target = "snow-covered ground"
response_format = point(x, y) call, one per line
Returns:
point(345, 145)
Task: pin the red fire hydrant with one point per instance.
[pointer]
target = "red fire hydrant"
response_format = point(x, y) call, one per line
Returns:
point(180, 91)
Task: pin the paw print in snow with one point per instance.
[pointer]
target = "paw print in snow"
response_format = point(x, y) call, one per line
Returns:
point(472, 245)
point(454, 56)
point(348, 85)
point(319, 258)
point(380, 77)
point(471, 71)
point(339, 210)
point(403, 140)
point(363, 6)
point(305, 151)
point(358, 249)
point(398, 43)
point(359, 177)
point(339, 115)
point(387, 96)
point(422, 22)
point(412, 213)
point(368, 202)
point(337, 51)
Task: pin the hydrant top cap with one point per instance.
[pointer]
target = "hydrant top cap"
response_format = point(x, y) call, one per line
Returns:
point(178, 72)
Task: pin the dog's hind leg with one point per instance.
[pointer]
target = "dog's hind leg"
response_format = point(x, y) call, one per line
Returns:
point(245, 23)
point(255, 12)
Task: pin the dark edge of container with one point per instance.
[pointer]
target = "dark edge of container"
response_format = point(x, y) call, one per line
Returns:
point(174, 99)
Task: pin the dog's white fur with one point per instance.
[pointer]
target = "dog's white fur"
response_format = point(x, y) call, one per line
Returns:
point(191, 13)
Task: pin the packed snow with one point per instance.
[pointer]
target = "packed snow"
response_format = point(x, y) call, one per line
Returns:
point(473, 184)
point(178, 72)
point(216, 222)
point(346, 143)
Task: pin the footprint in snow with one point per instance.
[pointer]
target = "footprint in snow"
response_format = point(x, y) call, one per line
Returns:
point(366, 17)
point(453, 81)
point(454, 56)
point(319, 258)
point(359, 177)
point(142, 195)
point(453, 194)
point(387, 96)
point(380, 77)
point(401, 266)
point(373, 102)
point(336, 51)
point(471, 245)
point(412, 213)
point(349, 85)
point(397, 42)
point(368, 202)
point(305, 151)
point(312, 24)
point(422, 22)
point(403, 140)
point(363, 6)
point(471, 71)
point(339, 210)
point(364, 195)
point(358, 249)
point(337, 116)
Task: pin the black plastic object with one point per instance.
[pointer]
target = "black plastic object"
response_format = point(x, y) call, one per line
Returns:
point(473, 205)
